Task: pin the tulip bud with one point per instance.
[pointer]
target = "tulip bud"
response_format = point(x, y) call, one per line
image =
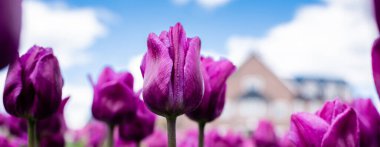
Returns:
point(33, 87)
point(10, 27)
point(265, 135)
point(215, 74)
point(114, 99)
point(173, 83)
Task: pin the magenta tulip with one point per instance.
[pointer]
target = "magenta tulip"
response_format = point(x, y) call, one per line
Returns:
point(369, 120)
point(10, 27)
point(215, 74)
point(114, 99)
point(173, 83)
point(336, 124)
point(265, 135)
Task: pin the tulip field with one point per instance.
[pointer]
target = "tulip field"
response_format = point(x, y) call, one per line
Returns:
point(178, 80)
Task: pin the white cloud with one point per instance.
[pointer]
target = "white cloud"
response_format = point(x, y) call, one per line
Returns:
point(207, 4)
point(70, 31)
point(134, 68)
point(78, 108)
point(211, 4)
point(330, 39)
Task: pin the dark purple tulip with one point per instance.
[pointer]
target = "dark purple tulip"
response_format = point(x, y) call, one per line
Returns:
point(265, 135)
point(376, 64)
point(140, 127)
point(114, 99)
point(51, 131)
point(33, 87)
point(336, 124)
point(369, 120)
point(10, 27)
point(173, 83)
point(215, 74)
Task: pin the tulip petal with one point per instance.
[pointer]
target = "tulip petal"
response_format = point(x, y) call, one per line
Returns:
point(307, 129)
point(219, 71)
point(344, 131)
point(369, 121)
point(331, 109)
point(158, 73)
point(376, 64)
point(193, 77)
point(13, 88)
point(48, 83)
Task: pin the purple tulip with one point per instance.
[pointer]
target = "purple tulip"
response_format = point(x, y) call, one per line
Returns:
point(173, 83)
point(369, 121)
point(265, 135)
point(215, 74)
point(336, 124)
point(33, 86)
point(114, 99)
point(140, 127)
point(51, 130)
point(10, 27)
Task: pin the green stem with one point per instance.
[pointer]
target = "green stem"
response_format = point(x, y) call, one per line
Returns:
point(201, 127)
point(32, 133)
point(110, 135)
point(171, 131)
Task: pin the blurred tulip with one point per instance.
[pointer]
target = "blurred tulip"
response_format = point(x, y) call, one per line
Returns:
point(114, 99)
point(215, 74)
point(4, 142)
point(231, 139)
point(140, 127)
point(51, 130)
point(94, 133)
point(376, 63)
point(369, 121)
point(265, 135)
point(17, 126)
point(10, 27)
point(173, 83)
point(190, 139)
point(157, 139)
point(33, 86)
point(336, 124)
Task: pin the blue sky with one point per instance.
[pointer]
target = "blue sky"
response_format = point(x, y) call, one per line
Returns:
point(297, 37)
